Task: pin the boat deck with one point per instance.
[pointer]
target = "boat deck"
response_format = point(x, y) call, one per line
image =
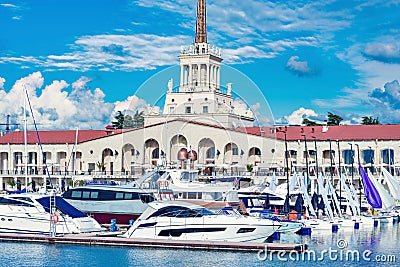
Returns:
point(112, 239)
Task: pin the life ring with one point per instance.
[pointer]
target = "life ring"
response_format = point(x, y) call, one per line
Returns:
point(166, 184)
point(54, 218)
point(160, 183)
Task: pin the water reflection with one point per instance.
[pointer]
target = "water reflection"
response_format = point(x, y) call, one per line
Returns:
point(384, 239)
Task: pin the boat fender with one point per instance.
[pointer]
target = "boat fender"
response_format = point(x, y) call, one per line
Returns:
point(54, 218)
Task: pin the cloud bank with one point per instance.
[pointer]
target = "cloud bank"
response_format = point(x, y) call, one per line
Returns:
point(60, 105)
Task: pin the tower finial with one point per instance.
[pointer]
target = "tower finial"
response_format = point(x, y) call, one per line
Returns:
point(201, 25)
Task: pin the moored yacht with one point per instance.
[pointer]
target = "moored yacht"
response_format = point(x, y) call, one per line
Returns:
point(107, 202)
point(186, 185)
point(30, 213)
point(178, 220)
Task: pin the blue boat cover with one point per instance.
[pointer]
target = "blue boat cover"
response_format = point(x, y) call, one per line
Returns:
point(62, 205)
point(16, 191)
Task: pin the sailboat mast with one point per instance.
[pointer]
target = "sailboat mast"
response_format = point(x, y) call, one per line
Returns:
point(25, 143)
point(340, 177)
point(74, 158)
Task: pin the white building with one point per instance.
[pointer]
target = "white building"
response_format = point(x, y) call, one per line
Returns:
point(198, 116)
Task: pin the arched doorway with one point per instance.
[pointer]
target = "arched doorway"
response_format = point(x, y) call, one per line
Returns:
point(231, 153)
point(151, 151)
point(107, 160)
point(177, 142)
point(254, 156)
point(128, 158)
point(206, 151)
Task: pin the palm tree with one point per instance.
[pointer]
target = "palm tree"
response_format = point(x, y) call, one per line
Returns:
point(334, 119)
point(12, 183)
point(369, 120)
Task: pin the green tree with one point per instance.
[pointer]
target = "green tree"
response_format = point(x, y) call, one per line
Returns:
point(126, 121)
point(119, 120)
point(369, 120)
point(138, 119)
point(334, 119)
point(308, 122)
point(11, 183)
point(249, 167)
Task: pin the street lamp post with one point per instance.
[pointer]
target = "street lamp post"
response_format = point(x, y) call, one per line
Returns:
point(316, 160)
point(287, 164)
point(306, 150)
point(359, 170)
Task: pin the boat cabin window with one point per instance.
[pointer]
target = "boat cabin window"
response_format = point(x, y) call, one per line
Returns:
point(189, 214)
point(192, 195)
point(27, 199)
point(169, 211)
point(76, 194)
point(189, 176)
point(145, 198)
point(85, 194)
point(100, 194)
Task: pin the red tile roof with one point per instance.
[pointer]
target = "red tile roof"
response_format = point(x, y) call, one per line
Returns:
point(54, 137)
point(342, 132)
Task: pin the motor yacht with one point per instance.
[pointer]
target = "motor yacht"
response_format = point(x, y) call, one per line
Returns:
point(178, 220)
point(30, 213)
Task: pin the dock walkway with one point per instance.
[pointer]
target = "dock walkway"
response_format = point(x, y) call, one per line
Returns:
point(111, 239)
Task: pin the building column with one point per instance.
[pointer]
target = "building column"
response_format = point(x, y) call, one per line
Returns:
point(208, 76)
point(218, 78)
point(190, 76)
point(215, 76)
point(181, 81)
point(198, 74)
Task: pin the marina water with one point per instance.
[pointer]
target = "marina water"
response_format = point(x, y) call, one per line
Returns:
point(367, 247)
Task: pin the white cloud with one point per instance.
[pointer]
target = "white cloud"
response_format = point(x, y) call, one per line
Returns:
point(386, 102)
point(8, 5)
point(385, 52)
point(376, 64)
point(55, 108)
point(299, 68)
point(112, 52)
point(297, 116)
point(248, 31)
point(132, 103)
point(2, 81)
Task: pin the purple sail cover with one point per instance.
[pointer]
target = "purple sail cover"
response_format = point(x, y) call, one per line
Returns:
point(371, 193)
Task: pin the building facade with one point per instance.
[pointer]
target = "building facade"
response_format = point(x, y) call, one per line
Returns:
point(198, 116)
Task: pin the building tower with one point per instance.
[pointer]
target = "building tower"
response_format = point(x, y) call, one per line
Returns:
point(199, 96)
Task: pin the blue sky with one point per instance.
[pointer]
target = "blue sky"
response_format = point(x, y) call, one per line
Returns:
point(81, 61)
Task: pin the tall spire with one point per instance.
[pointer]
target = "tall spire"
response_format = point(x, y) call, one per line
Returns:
point(201, 25)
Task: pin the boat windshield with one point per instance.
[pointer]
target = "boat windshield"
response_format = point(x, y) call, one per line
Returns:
point(205, 211)
point(181, 212)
